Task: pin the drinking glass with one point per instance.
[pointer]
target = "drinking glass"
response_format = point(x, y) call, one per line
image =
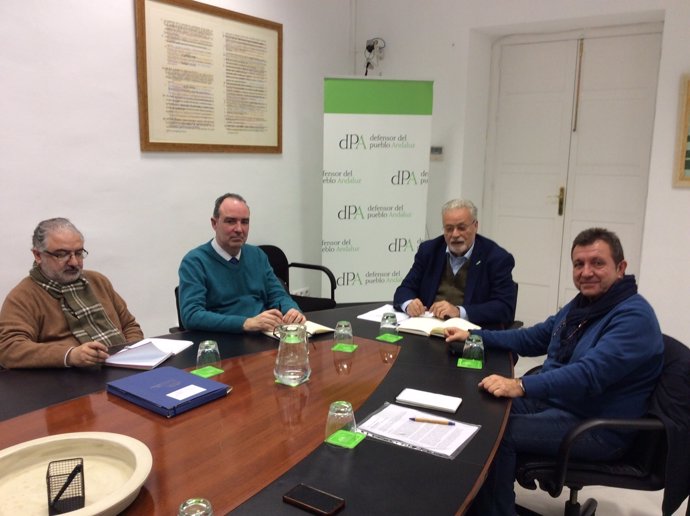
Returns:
point(389, 324)
point(474, 348)
point(195, 507)
point(208, 354)
point(343, 333)
point(340, 416)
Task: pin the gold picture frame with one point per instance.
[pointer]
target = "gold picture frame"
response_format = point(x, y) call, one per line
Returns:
point(209, 79)
point(681, 176)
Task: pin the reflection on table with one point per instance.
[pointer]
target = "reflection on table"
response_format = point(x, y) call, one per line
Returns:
point(244, 451)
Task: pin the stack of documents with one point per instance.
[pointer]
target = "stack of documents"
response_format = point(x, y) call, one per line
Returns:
point(406, 427)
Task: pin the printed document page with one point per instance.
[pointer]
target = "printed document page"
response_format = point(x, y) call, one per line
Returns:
point(376, 314)
point(392, 423)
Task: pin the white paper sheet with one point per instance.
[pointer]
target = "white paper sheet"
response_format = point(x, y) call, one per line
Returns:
point(376, 314)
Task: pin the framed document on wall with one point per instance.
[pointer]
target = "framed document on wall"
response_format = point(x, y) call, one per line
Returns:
point(209, 79)
point(682, 173)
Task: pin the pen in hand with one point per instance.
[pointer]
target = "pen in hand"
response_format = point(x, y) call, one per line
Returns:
point(434, 421)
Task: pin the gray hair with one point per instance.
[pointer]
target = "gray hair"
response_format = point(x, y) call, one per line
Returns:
point(455, 204)
point(219, 201)
point(45, 227)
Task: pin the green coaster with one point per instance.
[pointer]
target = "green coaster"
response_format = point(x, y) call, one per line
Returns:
point(389, 337)
point(207, 372)
point(470, 363)
point(347, 348)
point(345, 438)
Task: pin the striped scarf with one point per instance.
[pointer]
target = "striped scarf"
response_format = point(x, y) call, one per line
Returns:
point(85, 316)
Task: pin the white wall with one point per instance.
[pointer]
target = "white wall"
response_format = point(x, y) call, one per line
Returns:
point(450, 41)
point(69, 146)
point(69, 137)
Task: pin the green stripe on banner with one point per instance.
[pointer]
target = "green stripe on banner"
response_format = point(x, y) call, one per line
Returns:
point(381, 97)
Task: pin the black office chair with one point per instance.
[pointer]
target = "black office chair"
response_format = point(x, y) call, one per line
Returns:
point(281, 267)
point(515, 324)
point(179, 327)
point(657, 457)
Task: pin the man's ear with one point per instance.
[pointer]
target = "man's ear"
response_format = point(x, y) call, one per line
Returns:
point(620, 269)
point(37, 255)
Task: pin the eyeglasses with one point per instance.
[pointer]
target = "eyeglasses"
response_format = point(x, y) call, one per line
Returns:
point(65, 256)
point(449, 228)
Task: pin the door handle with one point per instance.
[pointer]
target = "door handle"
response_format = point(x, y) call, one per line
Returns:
point(561, 200)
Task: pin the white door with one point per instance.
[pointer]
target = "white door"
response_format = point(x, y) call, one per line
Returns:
point(609, 164)
point(569, 143)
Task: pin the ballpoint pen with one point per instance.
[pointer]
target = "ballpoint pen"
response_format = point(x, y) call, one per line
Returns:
point(434, 421)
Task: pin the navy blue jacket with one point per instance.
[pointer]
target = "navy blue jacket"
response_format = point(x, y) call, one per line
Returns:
point(490, 294)
point(613, 369)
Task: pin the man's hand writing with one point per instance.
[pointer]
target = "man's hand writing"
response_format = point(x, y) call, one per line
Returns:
point(265, 321)
point(88, 354)
point(444, 310)
point(294, 316)
point(415, 308)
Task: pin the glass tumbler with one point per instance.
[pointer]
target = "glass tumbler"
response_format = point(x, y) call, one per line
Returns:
point(474, 349)
point(389, 324)
point(195, 507)
point(208, 354)
point(340, 417)
point(343, 333)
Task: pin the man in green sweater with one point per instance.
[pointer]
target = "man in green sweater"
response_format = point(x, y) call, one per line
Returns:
point(227, 284)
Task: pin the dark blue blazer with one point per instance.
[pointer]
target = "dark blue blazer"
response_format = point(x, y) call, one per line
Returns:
point(490, 294)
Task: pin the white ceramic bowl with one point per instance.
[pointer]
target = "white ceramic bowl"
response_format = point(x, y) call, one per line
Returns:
point(115, 468)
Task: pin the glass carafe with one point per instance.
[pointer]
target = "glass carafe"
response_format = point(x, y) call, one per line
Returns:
point(292, 362)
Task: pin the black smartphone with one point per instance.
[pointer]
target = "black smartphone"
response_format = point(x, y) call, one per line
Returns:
point(313, 500)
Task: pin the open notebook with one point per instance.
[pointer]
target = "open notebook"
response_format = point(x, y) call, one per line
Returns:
point(147, 353)
point(433, 327)
point(312, 329)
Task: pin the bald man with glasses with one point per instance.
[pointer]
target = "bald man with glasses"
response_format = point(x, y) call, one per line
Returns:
point(61, 315)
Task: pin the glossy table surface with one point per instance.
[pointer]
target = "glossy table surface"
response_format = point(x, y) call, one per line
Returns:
point(244, 451)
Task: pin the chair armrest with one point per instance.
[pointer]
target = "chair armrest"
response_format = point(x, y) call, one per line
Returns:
point(325, 270)
point(534, 370)
point(643, 424)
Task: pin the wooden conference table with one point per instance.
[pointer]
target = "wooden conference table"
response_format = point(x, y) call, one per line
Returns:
point(244, 451)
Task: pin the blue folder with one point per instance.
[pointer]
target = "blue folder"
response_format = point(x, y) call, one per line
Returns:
point(167, 390)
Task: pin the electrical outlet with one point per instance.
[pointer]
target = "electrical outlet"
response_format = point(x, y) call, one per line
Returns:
point(304, 291)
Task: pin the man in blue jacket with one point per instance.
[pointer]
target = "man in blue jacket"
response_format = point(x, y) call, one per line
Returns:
point(460, 274)
point(604, 354)
point(227, 284)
